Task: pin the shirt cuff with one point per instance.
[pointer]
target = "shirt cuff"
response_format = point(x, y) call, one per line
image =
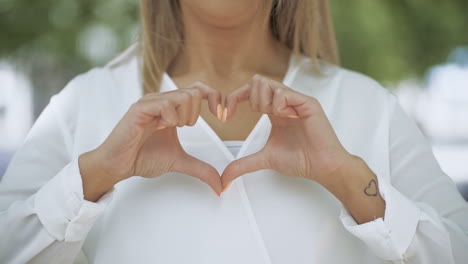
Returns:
point(388, 238)
point(62, 209)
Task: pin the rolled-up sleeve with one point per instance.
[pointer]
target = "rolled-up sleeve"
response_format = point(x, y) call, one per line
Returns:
point(61, 207)
point(425, 219)
point(43, 214)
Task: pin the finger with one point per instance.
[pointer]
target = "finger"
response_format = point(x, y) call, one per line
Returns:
point(239, 167)
point(169, 116)
point(183, 106)
point(212, 95)
point(254, 97)
point(157, 112)
point(287, 102)
point(265, 96)
point(201, 170)
point(234, 98)
point(196, 105)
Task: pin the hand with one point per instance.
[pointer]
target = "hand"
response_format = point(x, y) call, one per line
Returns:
point(302, 142)
point(145, 141)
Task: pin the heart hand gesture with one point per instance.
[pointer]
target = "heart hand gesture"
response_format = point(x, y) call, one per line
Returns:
point(302, 142)
point(145, 141)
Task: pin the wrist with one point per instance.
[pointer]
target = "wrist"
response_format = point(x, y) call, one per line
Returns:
point(340, 181)
point(96, 182)
point(356, 186)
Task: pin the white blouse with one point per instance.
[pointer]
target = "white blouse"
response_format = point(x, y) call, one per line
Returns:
point(264, 217)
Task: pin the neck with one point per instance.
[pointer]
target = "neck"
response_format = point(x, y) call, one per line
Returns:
point(213, 53)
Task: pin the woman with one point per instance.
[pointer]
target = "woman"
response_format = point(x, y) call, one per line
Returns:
point(324, 164)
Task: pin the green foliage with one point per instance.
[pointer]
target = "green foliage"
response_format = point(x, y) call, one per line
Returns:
point(56, 28)
point(49, 40)
point(392, 40)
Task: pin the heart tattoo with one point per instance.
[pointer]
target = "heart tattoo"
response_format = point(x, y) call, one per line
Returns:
point(371, 189)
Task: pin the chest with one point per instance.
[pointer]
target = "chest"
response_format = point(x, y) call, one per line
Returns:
point(239, 126)
point(236, 128)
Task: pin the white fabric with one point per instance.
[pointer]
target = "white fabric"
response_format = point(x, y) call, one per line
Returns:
point(264, 217)
point(233, 146)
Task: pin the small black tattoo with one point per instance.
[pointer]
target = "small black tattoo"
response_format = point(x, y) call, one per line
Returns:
point(371, 189)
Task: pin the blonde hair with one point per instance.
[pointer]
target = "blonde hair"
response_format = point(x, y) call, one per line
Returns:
point(304, 26)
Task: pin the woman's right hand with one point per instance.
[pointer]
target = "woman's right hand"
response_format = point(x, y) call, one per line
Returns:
point(145, 142)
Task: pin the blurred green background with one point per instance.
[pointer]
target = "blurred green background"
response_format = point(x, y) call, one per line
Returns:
point(52, 41)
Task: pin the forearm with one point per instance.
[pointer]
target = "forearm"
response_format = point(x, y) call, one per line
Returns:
point(412, 231)
point(95, 182)
point(356, 186)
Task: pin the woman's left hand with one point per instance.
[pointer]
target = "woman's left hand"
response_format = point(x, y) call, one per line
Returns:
point(302, 142)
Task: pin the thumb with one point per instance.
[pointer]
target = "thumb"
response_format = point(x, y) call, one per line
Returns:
point(201, 170)
point(239, 167)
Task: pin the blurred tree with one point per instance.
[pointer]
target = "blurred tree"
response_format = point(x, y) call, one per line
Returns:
point(391, 40)
point(52, 41)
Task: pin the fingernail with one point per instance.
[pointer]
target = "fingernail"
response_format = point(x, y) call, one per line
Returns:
point(217, 194)
point(227, 186)
point(160, 127)
point(224, 115)
point(219, 112)
point(293, 116)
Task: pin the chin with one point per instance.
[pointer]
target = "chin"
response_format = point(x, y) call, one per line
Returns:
point(224, 13)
